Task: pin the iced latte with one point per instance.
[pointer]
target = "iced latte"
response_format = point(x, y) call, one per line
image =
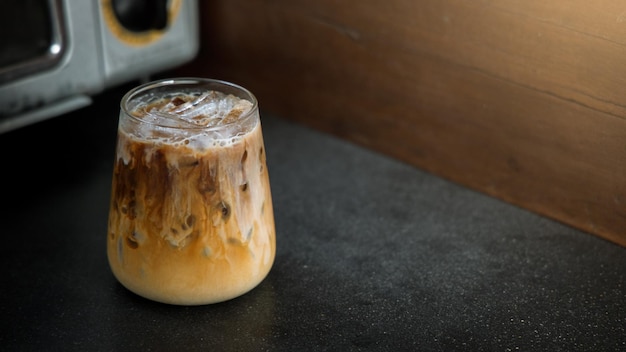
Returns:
point(191, 219)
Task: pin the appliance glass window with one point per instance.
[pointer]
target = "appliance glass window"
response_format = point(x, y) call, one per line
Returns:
point(30, 36)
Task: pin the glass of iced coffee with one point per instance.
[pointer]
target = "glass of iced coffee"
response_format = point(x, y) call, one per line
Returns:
point(191, 219)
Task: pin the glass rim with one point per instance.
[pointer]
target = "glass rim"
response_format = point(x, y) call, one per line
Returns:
point(167, 82)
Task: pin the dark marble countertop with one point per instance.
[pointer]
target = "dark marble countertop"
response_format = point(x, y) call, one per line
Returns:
point(372, 254)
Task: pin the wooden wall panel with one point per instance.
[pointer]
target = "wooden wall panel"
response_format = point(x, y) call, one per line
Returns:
point(521, 100)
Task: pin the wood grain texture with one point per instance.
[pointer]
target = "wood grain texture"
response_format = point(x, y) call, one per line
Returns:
point(521, 100)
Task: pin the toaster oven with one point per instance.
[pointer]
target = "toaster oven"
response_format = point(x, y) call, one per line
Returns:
point(55, 55)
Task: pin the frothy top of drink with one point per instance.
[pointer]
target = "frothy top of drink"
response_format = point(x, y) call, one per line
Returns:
point(199, 119)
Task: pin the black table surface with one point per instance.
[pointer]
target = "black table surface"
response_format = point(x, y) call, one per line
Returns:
point(372, 254)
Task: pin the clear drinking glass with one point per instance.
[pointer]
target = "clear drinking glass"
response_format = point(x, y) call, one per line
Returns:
point(191, 219)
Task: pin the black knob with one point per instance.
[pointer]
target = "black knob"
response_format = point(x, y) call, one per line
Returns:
point(141, 15)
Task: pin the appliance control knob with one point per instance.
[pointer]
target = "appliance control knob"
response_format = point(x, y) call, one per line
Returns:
point(141, 15)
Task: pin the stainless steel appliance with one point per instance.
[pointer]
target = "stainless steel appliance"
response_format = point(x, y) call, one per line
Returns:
point(56, 54)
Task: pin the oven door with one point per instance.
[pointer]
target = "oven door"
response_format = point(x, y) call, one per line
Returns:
point(33, 37)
